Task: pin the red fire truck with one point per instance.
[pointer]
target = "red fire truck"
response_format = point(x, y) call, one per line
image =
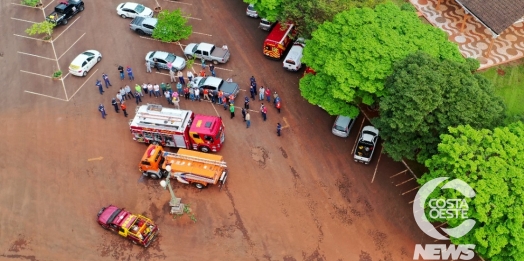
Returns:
point(278, 40)
point(169, 127)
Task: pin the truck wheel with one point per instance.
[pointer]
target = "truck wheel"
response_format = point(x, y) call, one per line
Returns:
point(199, 186)
point(64, 22)
point(204, 149)
point(189, 56)
point(81, 8)
point(140, 32)
point(215, 61)
point(154, 176)
point(123, 16)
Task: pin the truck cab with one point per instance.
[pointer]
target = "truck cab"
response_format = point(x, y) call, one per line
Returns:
point(367, 143)
point(138, 229)
point(208, 52)
point(64, 11)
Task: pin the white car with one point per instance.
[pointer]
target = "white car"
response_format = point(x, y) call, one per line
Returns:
point(251, 12)
point(162, 58)
point(84, 62)
point(132, 10)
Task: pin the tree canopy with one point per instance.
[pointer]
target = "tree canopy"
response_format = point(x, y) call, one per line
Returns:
point(171, 26)
point(492, 163)
point(424, 96)
point(269, 9)
point(353, 54)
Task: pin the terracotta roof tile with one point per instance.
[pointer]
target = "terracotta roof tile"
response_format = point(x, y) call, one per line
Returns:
point(495, 14)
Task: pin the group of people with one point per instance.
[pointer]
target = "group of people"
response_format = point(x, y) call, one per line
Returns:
point(173, 95)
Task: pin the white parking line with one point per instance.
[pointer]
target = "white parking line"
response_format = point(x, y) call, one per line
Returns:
point(36, 74)
point(402, 183)
point(202, 33)
point(189, 17)
point(410, 190)
point(71, 46)
point(37, 56)
point(25, 6)
point(43, 9)
point(23, 20)
point(404, 171)
point(177, 2)
point(93, 73)
point(223, 69)
point(149, 38)
point(380, 156)
point(66, 28)
point(45, 95)
point(32, 38)
point(63, 78)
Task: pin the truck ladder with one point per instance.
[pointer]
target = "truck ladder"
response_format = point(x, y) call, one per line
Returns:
point(157, 108)
point(185, 157)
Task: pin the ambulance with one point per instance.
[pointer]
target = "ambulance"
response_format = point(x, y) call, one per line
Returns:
point(278, 40)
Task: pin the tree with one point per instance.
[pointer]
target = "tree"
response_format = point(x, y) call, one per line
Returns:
point(269, 9)
point(309, 15)
point(171, 27)
point(424, 96)
point(355, 53)
point(44, 27)
point(492, 163)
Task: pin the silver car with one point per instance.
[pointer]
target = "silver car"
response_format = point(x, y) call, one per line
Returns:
point(342, 126)
point(251, 12)
point(266, 25)
point(163, 58)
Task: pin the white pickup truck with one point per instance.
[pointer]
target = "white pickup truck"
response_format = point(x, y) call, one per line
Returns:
point(208, 52)
point(367, 142)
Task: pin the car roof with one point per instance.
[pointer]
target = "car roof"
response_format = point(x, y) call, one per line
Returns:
point(370, 129)
point(160, 54)
point(82, 57)
point(295, 51)
point(342, 121)
point(149, 20)
point(205, 46)
point(212, 81)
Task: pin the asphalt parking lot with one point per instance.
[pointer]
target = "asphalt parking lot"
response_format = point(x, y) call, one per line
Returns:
point(295, 197)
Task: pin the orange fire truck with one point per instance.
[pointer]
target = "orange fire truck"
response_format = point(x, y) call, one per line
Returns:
point(278, 40)
point(197, 168)
point(169, 127)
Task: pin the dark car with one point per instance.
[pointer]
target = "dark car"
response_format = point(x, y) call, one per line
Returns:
point(64, 11)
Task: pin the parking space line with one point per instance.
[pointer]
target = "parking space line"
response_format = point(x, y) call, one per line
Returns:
point(189, 17)
point(71, 46)
point(36, 74)
point(23, 20)
point(376, 167)
point(223, 69)
point(66, 76)
point(35, 93)
point(404, 182)
point(93, 73)
point(25, 5)
point(32, 38)
point(411, 202)
point(404, 171)
point(202, 33)
point(410, 190)
point(66, 28)
point(43, 9)
point(177, 2)
point(285, 121)
point(37, 56)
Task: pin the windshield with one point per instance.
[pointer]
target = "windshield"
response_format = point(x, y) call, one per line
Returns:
point(201, 82)
point(250, 8)
point(170, 57)
point(369, 133)
point(88, 53)
point(139, 8)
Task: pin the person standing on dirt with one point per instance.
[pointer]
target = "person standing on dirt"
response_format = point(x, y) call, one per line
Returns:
point(244, 114)
point(130, 73)
point(172, 75)
point(246, 103)
point(252, 91)
point(121, 70)
point(212, 69)
point(186, 93)
point(261, 93)
point(138, 89)
point(128, 92)
point(102, 110)
point(279, 128)
point(275, 96)
point(157, 66)
point(232, 110)
point(115, 104)
point(148, 67)
point(123, 107)
point(248, 120)
point(119, 97)
point(137, 98)
point(268, 94)
point(189, 76)
point(106, 80)
point(264, 112)
point(123, 93)
point(100, 87)
point(181, 77)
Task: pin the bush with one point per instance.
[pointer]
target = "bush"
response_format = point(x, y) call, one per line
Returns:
point(57, 74)
point(32, 3)
point(44, 27)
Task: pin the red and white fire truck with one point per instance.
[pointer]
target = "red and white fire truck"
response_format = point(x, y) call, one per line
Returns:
point(169, 127)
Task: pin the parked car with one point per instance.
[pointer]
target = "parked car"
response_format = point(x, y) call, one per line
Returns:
point(208, 52)
point(266, 25)
point(366, 145)
point(293, 58)
point(342, 126)
point(132, 10)
point(251, 12)
point(84, 62)
point(64, 11)
point(215, 84)
point(143, 25)
point(163, 58)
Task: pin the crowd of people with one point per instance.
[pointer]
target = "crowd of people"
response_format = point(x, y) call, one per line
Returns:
point(190, 92)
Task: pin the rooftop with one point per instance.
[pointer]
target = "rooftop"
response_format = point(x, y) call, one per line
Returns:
point(497, 15)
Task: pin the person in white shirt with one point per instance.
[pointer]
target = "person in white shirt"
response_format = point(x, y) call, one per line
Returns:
point(156, 87)
point(197, 94)
point(189, 75)
point(123, 93)
point(150, 89)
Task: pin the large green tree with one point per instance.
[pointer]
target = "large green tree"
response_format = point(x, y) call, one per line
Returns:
point(269, 9)
point(354, 53)
point(492, 163)
point(424, 96)
point(171, 26)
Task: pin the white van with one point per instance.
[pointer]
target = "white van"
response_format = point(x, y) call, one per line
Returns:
point(292, 61)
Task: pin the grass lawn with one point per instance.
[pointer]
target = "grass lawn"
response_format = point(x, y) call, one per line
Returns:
point(509, 84)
